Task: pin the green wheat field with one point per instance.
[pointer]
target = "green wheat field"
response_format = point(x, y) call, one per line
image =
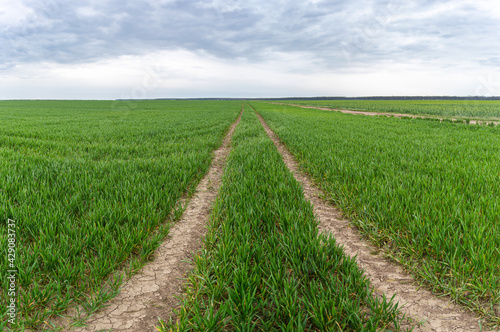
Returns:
point(94, 189)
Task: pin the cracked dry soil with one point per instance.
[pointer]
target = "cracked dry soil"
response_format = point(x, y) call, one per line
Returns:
point(436, 313)
point(152, 292)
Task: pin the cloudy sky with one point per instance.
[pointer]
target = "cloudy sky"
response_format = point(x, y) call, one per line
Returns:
point(109, 49)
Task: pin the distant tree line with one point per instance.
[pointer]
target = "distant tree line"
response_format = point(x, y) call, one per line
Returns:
point(390, 98)
point(345, 98)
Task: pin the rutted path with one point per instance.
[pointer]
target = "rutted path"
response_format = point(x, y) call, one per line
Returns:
point(397, 115)
point(151, 292)
point(436, 313)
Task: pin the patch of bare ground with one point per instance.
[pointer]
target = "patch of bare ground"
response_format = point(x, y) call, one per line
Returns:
point(426, 311)
point(151, 293)
point(397, 115)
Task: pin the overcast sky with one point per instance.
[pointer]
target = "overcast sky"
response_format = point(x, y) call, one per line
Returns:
point(109, 49)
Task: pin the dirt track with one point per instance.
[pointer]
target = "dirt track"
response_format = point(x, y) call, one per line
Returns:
point(397, 115)
point(436, 313)
point(151, 292)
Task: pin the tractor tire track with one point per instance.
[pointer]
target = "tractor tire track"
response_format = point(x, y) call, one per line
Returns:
point(152, 292)
point(427, 311)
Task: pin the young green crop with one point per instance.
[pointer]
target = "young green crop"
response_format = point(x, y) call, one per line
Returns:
point(427, 191)
point(90, 187)
point(263, 266)
point(474, 109)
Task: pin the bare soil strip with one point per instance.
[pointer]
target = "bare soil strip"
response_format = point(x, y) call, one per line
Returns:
point(434, 313)
point(397, 115)
point(151, 293)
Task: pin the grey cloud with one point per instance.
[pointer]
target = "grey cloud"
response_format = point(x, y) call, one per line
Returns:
point(336, 33)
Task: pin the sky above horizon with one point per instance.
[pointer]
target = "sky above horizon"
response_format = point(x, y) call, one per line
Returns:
point(141, 49)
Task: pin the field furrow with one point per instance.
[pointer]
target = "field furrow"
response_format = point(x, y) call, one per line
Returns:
point(95, 190)
point(423, 192)
point(425, 311)
point(264, 266)
point(153, 291)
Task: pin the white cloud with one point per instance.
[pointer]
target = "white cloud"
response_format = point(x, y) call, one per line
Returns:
point(183, 73)
point(224, 6)
point(87, 12)
point(12, 13)
point(487, 7)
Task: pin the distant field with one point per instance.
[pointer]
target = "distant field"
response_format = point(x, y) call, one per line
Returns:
point(91, 186)
point(473, 109)
point(426, 191)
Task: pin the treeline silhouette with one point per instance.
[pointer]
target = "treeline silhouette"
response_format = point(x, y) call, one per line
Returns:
point(347, 98)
